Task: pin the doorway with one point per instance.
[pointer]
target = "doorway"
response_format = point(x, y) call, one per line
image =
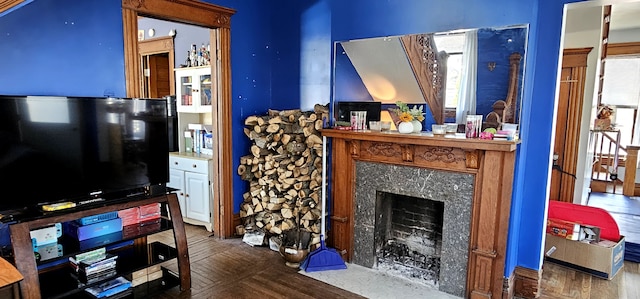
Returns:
point(157, 58)
point(218, 20)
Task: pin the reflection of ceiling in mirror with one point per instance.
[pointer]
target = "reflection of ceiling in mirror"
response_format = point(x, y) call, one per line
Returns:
point(624, 16)
point(390, 79)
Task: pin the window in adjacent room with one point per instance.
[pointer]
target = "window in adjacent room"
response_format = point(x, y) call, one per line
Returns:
point(453, 44)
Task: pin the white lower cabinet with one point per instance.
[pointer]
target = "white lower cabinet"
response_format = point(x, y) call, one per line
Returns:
point(192, 177)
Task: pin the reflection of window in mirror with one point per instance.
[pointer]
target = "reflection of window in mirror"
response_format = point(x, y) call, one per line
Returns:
point(622, 93)
point(453, 44)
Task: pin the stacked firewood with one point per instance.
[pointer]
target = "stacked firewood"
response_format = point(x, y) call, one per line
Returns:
point(285, 172)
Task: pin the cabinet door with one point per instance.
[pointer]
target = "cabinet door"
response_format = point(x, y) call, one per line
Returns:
point(176, 180)
point(204, 79)
point(185, 91)
point(197, 196)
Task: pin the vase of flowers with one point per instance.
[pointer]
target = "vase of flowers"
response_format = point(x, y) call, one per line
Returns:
point(408, 120)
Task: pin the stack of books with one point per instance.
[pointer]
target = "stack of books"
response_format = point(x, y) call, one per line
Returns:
point(93, 266)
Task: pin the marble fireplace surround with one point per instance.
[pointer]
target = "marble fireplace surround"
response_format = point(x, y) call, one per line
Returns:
point(454, 189)
point(490, 163)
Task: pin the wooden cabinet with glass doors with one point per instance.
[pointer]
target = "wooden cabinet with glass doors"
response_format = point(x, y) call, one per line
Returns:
point(194, 89)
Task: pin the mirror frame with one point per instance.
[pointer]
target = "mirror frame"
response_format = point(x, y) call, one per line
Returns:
point(218, 20)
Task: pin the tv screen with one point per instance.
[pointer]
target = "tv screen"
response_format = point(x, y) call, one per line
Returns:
point(373, 110)
point(55, 149)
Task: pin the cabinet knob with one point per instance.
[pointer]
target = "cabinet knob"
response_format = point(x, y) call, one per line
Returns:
point(186, 195)
point(176, 163)
point(194, 165)
point(181, 194)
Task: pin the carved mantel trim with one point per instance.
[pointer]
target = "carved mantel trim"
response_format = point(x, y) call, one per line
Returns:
point(492, 163)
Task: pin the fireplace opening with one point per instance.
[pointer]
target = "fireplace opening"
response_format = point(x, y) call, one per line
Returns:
point(408, 237)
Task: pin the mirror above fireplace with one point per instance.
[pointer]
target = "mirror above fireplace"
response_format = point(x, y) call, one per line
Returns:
point(463, 70)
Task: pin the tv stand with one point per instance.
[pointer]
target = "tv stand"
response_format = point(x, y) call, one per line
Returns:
point(23, 249)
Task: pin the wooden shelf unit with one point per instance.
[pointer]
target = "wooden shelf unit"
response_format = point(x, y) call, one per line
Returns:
point(23, 249)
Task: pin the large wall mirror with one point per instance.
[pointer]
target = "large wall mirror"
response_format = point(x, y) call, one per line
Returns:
point(452, 74)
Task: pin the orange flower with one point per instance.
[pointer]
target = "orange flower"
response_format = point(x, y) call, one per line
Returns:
point(406, 116)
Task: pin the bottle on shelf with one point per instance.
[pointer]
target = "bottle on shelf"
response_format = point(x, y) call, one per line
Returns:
point(187, 62)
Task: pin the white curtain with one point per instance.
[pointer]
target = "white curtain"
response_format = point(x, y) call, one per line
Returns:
point(467, 91)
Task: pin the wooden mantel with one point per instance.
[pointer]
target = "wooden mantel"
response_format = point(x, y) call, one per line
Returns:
point(491, 162)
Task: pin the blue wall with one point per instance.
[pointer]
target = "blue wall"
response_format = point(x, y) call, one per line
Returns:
point(78, 51)
point(56, 47)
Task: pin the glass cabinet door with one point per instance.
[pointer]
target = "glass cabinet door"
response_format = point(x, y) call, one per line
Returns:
point(186, 91)
point(205, 90)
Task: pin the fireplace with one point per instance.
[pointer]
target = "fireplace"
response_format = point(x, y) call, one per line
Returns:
point(472, 178)
point(380, 186)
point(408, 237)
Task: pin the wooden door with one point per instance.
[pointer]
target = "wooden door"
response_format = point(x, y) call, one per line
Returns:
point(158, 77)
point(568, 119)
point(156, 67)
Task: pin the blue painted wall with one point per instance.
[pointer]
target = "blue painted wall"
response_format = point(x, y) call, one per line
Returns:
point(79, 52)
point(63, 47)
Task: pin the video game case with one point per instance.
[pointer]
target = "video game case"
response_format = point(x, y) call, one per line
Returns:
point(90, 256)
point(85, 280)
point(108, 261)
point(109, 288)
point(95, 270)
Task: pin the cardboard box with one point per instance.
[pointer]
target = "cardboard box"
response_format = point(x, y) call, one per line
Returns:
point(562, 228)
point(154, 268)
point(154, 275)
point(602, 124)
point(603, 259)
point(573, 230)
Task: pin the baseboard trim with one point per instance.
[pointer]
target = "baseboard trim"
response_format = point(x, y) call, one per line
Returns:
point(527, 282)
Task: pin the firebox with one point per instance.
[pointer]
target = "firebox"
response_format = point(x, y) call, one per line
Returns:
point(414, 222)
point(408, 236)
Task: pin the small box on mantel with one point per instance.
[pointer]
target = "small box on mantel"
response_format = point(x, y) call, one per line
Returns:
point(603, 259)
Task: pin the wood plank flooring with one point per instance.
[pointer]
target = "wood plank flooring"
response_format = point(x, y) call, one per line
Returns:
point(232, 269)
point(559, 282)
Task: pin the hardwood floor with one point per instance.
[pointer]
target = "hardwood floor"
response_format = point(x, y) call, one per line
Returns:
point(559, 282)
point(232, 269)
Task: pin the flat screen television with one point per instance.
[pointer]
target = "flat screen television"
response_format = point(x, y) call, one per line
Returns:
point(56, 149)
point(345, 107)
